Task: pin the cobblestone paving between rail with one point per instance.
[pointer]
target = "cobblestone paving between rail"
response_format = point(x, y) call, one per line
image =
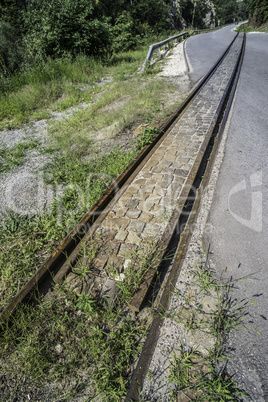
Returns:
point(141, 214)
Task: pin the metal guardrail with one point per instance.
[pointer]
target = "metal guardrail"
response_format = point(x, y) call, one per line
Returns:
point(158, 45)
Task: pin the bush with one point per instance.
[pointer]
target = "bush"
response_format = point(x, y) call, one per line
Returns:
point(11, 52)
point(60, 27)
point(258, 12)
point(124, 37)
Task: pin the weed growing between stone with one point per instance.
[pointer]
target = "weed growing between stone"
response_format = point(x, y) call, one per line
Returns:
point(203, 376)
point(73, 344)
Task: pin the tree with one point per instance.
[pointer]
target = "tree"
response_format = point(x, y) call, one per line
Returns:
point(258, 10)
point(154, 13)
point(226, 11)
point(57, 27)
point(11, 53)
point(10, 9)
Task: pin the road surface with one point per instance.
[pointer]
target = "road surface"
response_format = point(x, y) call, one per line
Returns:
point(237, 227)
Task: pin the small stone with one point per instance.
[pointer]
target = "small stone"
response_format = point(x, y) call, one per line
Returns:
point(140, 128)
point(133, 214)
point(121, 235)
point(100, 261)
point(145, 217)
point(133, 238)
point(58, 348)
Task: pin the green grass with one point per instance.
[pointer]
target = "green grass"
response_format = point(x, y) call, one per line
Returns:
point(28, 240)
point(249, 28)
point(58, 84)
point(82, 179)
point(119, 106)
point(62, 83)
point(199, 376)
point(14, 156)
point(73, 339)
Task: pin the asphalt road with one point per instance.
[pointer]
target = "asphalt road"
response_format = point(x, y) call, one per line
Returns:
point(237, 227)
point(204, 50)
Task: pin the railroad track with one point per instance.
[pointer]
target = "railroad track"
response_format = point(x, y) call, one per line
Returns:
point(151, 206)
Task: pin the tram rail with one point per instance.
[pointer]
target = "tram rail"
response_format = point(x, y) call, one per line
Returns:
point(205, 130)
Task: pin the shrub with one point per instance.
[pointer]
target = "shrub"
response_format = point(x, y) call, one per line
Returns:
point(56, 28)
point(11, 52)
point(124, 37)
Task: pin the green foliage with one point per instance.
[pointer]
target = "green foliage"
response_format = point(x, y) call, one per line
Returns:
point(258, 10)
point(98, 28)
point(146, 136)
point(11, 157)
point(47, 83)
point(219, 387)
point(60, 27)
point(187, 9)
point(226, 11)
point(180, 370)
point(9, 11)
point(11, 52)
point(73, 342)
point(124, 33)
point(155, 13)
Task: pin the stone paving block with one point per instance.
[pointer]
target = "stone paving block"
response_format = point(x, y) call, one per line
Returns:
point(121, 235)
point(115, 223)
point(160, 191)
point(146, 175)
point(165, 163)
point(105, 234)
point(178, 180)
point(127, 250)
point(120, 212)
point(100, 261)
point(168, 171)
point(156, 176)
point(133, 189)
point(146, 206)
point(140, 182)
point(181, 172)
point(131, 203)
point(111, 247)
point(156, 169)
point(114, 264)
point(151, 186)
point(111, 214)
point(160, 219)
point(141, 196)
point(146, 217)
point(133, 213)
point(152, 229)
point(133, 238)
point(136, 226)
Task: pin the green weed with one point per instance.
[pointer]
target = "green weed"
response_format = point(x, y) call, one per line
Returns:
point(218, 386)
point(180, 370)
point(139, 265)
point(146, 136)
point(205, 279)
point(200, 379)
point(14, 156)
point(86, 340)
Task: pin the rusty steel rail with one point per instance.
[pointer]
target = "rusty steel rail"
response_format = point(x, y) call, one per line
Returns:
point(55, 266)
point(143, 363)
